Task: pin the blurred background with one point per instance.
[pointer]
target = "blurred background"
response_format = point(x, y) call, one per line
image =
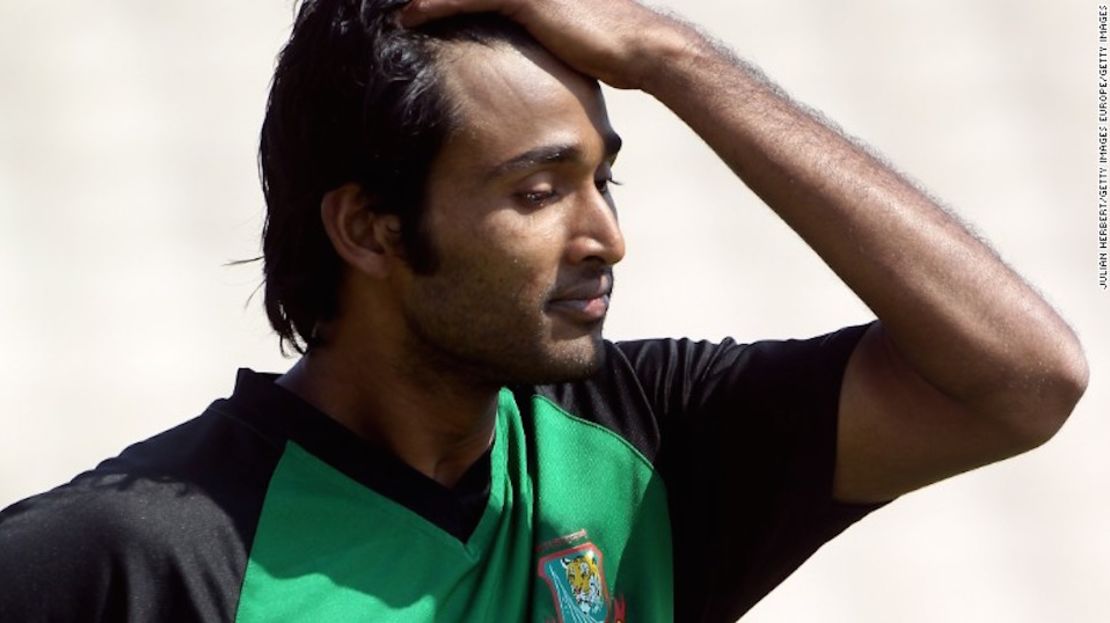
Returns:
point(128, 133)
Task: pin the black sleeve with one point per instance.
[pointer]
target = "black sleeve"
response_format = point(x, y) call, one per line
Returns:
point(151, 535)
point(100, 549)
point(748, 443)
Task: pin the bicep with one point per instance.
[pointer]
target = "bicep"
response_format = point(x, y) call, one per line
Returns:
point(897, 433)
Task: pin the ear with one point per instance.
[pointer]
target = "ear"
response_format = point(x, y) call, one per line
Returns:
point(365, 239)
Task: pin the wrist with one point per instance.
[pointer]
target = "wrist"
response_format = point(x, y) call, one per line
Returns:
point(667, 57)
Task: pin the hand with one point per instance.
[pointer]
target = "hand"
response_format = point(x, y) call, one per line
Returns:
point(616, 41)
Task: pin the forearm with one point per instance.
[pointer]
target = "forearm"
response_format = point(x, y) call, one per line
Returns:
point(959, 316)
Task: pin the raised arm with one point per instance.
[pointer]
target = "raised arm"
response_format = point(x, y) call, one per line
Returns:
point(967, 364)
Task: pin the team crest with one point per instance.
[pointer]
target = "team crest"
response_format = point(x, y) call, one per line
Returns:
point(577, 583)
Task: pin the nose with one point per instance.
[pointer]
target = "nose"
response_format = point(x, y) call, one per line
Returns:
point(596, 232)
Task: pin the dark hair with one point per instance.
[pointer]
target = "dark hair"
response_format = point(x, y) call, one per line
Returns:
point(354, 98)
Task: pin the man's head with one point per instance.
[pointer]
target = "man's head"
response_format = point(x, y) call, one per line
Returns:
point(490, 158)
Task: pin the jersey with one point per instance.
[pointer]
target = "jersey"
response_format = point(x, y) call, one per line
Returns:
point(681, 482)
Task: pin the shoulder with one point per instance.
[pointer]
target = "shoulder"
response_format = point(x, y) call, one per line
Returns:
point(147, 529)
point(648, 385)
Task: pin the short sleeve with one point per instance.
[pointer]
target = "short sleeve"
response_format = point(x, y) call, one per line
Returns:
point(748, 447)
point(158, 533)
point(52, 570)
point(111, 547)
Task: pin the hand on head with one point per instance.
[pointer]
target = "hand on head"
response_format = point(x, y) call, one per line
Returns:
point(613, 41)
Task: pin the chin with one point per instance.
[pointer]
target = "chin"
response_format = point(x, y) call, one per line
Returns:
point(571, 362)
point(557, 363)
point(511, 355)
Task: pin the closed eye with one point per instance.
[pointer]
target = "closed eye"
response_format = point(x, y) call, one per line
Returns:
point(541, 197)
point(536, 198)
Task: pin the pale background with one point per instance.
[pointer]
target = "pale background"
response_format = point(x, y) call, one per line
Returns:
point(127, 179)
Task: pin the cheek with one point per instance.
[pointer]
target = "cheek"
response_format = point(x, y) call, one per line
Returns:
point(530, 251)
point(505, 252)
point(491, 270)
point(536, 234)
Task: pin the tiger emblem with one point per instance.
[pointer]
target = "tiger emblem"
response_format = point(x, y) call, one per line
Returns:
point(576, 577)
point(585, 581)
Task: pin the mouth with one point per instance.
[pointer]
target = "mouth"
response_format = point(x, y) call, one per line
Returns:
point(586, 302)
point(587, 310)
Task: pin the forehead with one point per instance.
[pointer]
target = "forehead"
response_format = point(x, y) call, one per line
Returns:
point(508, 100)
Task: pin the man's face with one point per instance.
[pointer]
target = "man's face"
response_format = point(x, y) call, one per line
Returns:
point(521, 221)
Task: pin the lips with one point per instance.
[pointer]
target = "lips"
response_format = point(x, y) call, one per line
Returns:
point(586, 301)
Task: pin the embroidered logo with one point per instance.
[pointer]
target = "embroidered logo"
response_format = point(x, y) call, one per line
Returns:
point(577, 581)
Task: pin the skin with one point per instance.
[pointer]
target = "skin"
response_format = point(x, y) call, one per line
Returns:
point(521, 239)
point(414, 362)
point(967, 364)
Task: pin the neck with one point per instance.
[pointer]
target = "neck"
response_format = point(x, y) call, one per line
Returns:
point(437, 422)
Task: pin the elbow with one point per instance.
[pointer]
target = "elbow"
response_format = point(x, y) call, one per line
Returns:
point(1077, 377)
point(1072, 384)
point(1054, 393)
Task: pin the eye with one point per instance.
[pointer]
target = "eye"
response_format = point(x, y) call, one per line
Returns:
point(536, 198)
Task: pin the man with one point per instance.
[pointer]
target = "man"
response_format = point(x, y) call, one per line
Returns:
point(458, 442)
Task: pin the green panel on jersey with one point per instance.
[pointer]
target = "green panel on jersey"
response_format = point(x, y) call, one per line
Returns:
point(599, 498)
point(575, 529)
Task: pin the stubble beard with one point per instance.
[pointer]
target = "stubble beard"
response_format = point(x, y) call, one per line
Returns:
point(498, 347)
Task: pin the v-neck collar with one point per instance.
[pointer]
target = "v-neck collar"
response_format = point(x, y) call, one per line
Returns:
point(465, 512)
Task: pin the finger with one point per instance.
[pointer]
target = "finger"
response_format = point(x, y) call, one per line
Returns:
point(419, 12)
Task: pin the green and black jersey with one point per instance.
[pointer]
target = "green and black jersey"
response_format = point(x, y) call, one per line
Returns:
point(683, 482)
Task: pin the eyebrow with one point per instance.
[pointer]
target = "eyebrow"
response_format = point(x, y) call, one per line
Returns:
point(552, 154)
